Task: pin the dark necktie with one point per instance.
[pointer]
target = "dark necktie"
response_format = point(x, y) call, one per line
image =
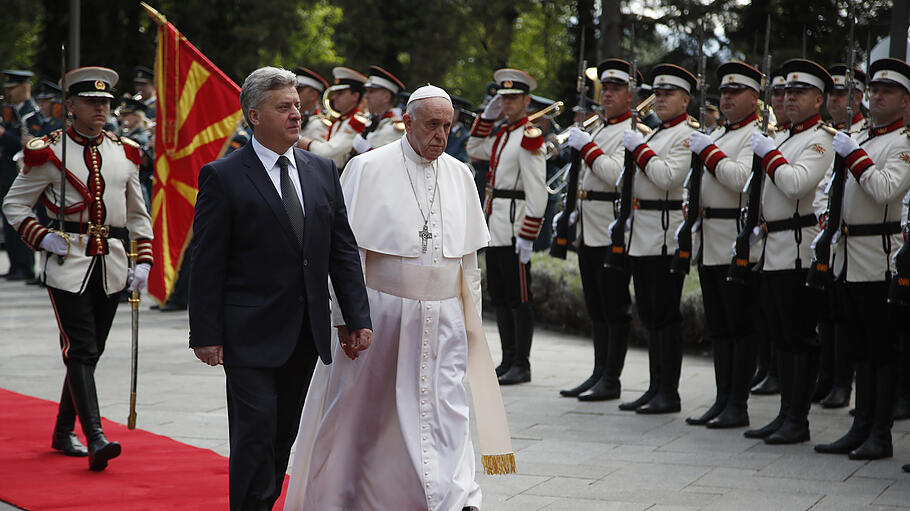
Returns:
point(290, 199)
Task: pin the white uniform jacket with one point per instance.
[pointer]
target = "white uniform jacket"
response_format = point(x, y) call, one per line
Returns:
point(316, 126)
point(340, 140)
point(390, 129)
point(604, 157)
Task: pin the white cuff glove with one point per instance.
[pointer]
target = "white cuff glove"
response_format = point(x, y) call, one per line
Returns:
point(573, 217)
point(844, 144)
point(523, 248)
point(698, 141)
point(139, 277)
point(54, 243)
point(578, 138)
point(761, 145)
point(632, 139)
point(493, 108)
point(361, 145)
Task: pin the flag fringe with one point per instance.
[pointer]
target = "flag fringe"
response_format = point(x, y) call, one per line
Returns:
point(498, 464)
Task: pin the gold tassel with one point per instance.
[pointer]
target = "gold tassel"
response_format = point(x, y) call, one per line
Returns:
point(498, 464)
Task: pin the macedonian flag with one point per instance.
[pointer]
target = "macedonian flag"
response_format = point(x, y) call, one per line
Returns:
point(198, 110)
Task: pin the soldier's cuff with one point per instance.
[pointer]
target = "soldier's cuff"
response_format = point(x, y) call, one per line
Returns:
point(772, 161)
point(530, 228)
point(144, 251)
point(711, 156)
point(858, 162)
point(642, 155)
point(32, 232)
point(590, 152)
point(482, 128)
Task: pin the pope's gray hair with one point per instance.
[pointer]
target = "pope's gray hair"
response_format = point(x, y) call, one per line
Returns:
point(259, 83)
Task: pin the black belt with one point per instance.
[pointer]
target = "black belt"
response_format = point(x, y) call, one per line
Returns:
point(659, 205)
point(790, 224)
point(508, 194)
point(105, 231)
point(592, 195)
point(728, 213)
point(883, 229)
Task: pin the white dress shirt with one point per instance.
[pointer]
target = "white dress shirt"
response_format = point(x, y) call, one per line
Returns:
point(269, 161)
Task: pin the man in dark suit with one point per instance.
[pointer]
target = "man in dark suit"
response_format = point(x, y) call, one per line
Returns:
point(270, 228)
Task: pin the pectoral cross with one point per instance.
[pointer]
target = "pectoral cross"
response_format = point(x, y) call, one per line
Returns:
point(425, 236)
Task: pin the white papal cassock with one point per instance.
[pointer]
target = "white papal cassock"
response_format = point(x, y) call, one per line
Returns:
point(390, 429)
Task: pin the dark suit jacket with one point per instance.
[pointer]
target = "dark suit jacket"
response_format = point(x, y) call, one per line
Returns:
point(252, 288)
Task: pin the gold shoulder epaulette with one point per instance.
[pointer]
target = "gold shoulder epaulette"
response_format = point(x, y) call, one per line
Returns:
point(37, 143)
point(533, 132)
point(130, 142)
point(399, 125)
point(361, 118)
point(326, 122)
point(827, 129)
point(643, 128)
point(693, 122)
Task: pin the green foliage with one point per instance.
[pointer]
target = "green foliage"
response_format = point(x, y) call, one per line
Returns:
point(20, 27)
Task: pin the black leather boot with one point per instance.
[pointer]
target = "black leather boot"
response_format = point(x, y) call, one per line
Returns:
point(723, 359)
point(667, 398)
point(842, 383)
point(82, 386)
point(653, 372)
point(506, 324)
point(862, 417)
point(520, 372)
point(601, 339)
point(735, 414)
point(878, 445)
point(770, 385)
point(826, 360)
point(763, 360)
point(785, 372)
point(609, 387)
point(795, 428)
point(64, 439)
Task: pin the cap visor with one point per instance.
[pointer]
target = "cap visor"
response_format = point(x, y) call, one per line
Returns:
point(510, 91)
point(93, 94)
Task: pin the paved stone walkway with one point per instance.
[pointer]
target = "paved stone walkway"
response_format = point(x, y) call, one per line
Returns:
point(571, 456)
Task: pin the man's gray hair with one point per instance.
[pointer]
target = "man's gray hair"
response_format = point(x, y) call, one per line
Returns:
point(259, 83)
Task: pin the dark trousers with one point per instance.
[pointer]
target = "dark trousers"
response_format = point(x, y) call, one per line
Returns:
point(264, 406)
point(657, 291)
point(606, 291)
point(508, 281)
point(790, 309)
point(85, 319)
point(868, 322)
point(730, 312)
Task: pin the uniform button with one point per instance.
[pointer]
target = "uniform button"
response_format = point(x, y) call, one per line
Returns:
point(423, 402)
point(426, 462)
point(435, 260)
point(306, 262)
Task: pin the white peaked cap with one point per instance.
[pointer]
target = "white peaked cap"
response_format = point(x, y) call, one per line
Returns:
point(429, 91)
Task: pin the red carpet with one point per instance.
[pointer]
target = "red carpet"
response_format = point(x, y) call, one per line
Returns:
point(153, 473)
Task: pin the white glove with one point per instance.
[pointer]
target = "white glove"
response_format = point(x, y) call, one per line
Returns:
point(556, 218)
point(632, 139)
point(139, 277)
point(761, 145)
point(493, 108)
point(578, 138)
point(361, 145)
point(573, 217)
point(54, 243)
point(698, 141)
point(844, 144)
point(523, 248)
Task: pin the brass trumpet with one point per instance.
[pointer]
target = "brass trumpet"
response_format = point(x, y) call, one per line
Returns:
point(331, 115)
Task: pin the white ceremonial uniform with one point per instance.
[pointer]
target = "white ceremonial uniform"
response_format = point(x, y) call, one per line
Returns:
point(820, 203)
point(517, 164)
point(728, 165)
point(604, 160)
point(107, 195)
point(316, 127)
point(391, 128)
point(873, 193)
point(665, 158)
point(390, 430)
point(340, 139)
point(794, 171)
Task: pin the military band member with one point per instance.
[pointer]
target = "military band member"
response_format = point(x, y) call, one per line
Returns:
point(730, 321)
point(144, 83)
point(50, 99)
point(22, 120)
point(346, 94)
point(794, 163)
point(606, 291)
point(663, 160)
point(386, 124)
point(878, 159)
point(835, 375)
point(310, 86)
point(103, 204)
point(515, 203)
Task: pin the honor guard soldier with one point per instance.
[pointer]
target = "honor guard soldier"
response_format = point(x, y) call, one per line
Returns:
point(144, 83)
point(794, 163)
point(515, 203)
point(878, 160)
point(730, 321)
point(84, 260)
point(778, 99)
point(50, 99)
point(135, 125)
point(606, 291)
point(346, 94)
point(22, 120)
point(386, 124)
point(663, 159)
point(310, 86)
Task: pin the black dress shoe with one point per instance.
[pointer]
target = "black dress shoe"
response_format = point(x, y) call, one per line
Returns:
point(631, 406)
point(661, 403)
point(766, 430)
point(842, 445)
point(34, 282)
point(603, 391)
point(502, 369)
point(18, 275)
point(709, 415)
point(872, 449)
point(171, 307)
point(575, 391)
point(729, 419)
point(906, 468)
point(68, 444)
point(789, 433)
point(839, 397)
point(515, 375)
point(100, 451)
point(901, 409)
point(770, 385)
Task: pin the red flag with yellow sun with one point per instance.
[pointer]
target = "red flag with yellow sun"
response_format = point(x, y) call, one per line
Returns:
point(197, 112)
